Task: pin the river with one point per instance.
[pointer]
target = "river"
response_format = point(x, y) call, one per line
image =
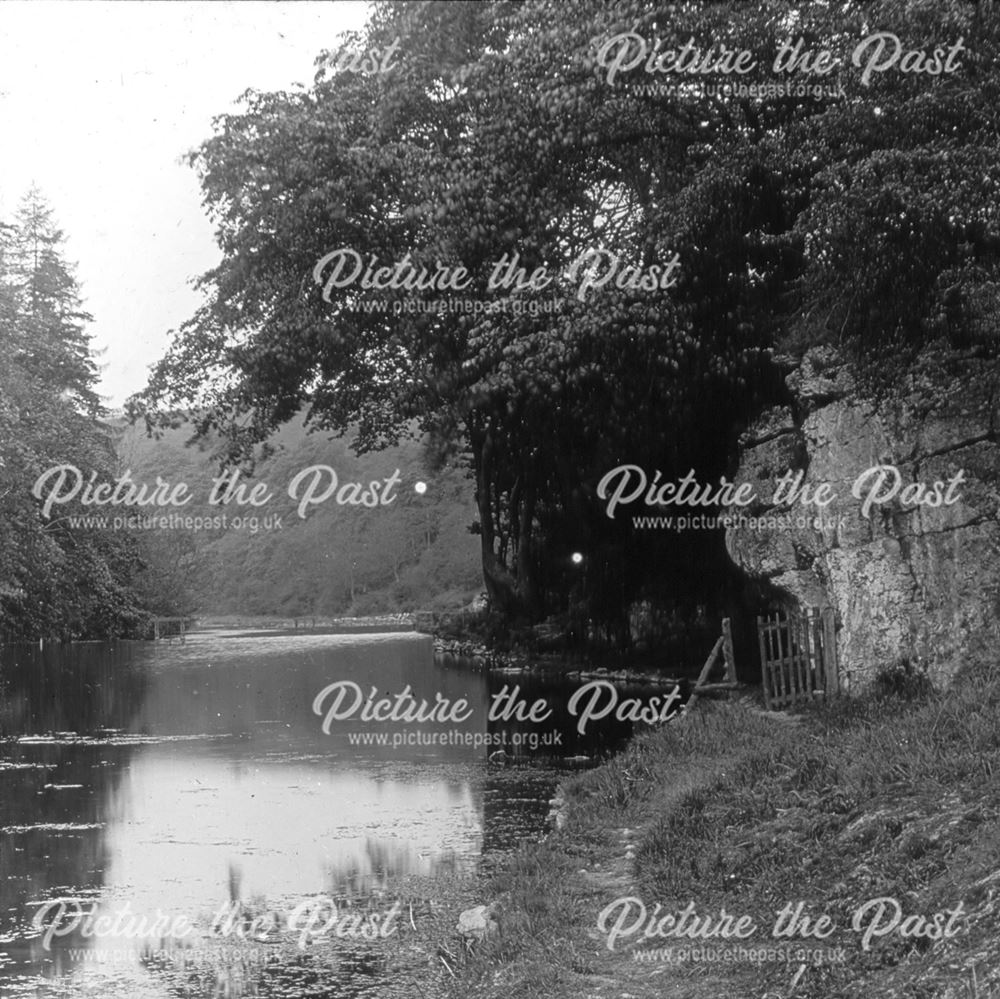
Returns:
point(174, 820)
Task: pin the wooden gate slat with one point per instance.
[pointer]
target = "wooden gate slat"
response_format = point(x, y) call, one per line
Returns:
point(800, 630)
point(793, 653)
point(775, 668)
point(783, 648)
point(779, 684)
point(790, 670)
point(803, 656)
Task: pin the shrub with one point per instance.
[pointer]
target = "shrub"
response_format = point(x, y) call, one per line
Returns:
point(907, 679)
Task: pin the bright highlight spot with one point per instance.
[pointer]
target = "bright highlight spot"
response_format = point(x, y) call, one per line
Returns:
point(420, 487)
point(576, 558)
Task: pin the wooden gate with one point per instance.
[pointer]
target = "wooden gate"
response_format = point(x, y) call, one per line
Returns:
point(798, 655)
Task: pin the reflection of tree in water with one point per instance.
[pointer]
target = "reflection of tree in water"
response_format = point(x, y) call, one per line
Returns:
point(85, 688)
point(384, 863)
point(369, 882)
point(54, 793)
point(329, 966)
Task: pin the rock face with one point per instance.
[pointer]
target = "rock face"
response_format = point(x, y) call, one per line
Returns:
point(913, 574)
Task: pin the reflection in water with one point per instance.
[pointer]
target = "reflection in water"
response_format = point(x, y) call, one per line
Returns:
point(185, 814)
point(186, 780)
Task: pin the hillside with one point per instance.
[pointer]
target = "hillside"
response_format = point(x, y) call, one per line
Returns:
point(284, 557)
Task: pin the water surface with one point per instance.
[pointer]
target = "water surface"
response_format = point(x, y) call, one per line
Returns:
point(141, 781)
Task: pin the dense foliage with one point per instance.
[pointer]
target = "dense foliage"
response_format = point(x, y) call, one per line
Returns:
point(866, 220)
point(56, 580)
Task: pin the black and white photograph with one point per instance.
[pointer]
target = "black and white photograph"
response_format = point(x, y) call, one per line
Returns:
point(499, 499)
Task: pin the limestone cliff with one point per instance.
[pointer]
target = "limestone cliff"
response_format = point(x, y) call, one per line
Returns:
point(907, 581)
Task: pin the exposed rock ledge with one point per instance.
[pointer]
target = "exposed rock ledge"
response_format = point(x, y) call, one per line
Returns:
point(908, 582)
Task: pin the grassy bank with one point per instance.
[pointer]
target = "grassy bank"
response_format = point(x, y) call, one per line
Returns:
point(889, 797)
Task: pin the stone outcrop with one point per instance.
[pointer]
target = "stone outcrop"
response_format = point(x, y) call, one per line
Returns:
point(908, 580)
point(478, 922)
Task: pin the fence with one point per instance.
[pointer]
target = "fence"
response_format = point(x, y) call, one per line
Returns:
point(798, 655)
point(171, 627)
point(723, 647)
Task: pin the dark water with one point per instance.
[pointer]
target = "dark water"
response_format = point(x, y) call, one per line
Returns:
point(157, 798)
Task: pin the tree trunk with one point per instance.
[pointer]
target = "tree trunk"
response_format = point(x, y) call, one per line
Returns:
point(500, 584)
point(526, 588)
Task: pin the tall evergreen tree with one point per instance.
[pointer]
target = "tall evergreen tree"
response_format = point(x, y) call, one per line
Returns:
point(54, 343)
point(56, 579)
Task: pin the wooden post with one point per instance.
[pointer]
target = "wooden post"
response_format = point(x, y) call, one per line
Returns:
point(816, 644)
point(809, 660)
point(807, 652)
point(727, 650)
point(765, 679)
point(831, 672)
point(703, 675)
point(780, 685)
point(793, 683)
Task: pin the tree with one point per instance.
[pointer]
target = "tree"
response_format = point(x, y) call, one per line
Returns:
point(59, 580)
point(500, 132)
point(53, 344)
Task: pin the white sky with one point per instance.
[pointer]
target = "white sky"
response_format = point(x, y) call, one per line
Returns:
point(98, 103)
